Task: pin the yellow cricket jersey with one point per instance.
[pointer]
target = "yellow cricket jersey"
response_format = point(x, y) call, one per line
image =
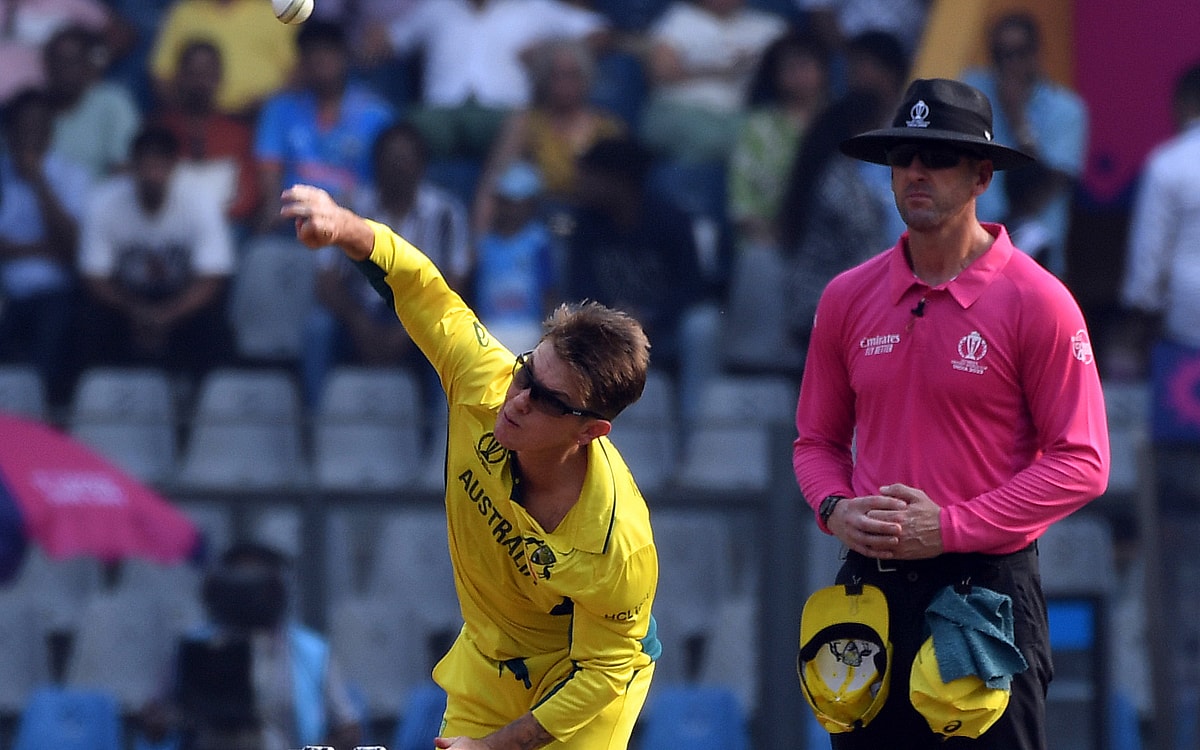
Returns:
point(584, 590)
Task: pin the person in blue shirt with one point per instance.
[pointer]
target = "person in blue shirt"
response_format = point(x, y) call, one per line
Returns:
point(322, 132)
point(42, 195)
point(1042, 118)
point(515, 276)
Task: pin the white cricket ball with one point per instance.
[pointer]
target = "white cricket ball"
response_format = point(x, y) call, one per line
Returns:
point(292, 11)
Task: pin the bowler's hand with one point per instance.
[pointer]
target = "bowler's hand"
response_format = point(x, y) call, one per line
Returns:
point(919, 520)
point(320, 221)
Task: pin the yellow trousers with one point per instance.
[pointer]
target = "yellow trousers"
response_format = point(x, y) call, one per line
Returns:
point(483, 696)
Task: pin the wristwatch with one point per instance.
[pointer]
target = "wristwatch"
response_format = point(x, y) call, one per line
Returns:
point(825, 509)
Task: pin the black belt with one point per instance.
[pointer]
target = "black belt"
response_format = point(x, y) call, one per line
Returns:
point(946, 561)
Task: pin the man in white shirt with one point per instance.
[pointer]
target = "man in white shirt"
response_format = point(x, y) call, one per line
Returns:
point(473, 54)
point(156, 256)
point(1161, 291)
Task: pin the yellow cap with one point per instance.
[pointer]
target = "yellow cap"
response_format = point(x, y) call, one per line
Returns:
point(963, 707)
point(845, 656)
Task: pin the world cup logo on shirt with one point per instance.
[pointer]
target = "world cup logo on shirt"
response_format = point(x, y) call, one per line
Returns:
point(972, 347)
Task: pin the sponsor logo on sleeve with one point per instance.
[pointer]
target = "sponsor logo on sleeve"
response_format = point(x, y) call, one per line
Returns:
point(1081, 347)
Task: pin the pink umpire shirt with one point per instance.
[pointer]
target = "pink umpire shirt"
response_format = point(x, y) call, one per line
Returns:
point(982, 392)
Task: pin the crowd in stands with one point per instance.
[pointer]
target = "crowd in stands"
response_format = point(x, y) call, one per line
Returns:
point(538, 150)
point(677, 157)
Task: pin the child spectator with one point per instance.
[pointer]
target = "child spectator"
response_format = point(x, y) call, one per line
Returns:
point(515, 277)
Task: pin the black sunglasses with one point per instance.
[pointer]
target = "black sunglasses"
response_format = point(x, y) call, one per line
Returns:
point(933, 157)
point(542, 398)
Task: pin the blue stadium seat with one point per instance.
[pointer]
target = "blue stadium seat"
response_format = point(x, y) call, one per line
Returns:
point(698, 717)
point(421, 719)
point(69, 719)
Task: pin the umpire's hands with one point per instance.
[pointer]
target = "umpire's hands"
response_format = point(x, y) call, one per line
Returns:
point(899, 523)
point(320, 221)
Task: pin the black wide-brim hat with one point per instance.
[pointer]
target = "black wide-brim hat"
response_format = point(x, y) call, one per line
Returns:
point(938, 110)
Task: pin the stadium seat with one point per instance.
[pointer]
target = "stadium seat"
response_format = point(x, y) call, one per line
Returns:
point(246, 433)
point(22, 392)
point(368, 431)
point(748, 399)
point(121, 647)
point(696, 575)
point(432, 476)
point(1128, 408)
point(755, 338)
point(215, 521)
point(24, 660)
point(697, 717)
point(647, 434)
point(128, 415)
point(271, 296)
point(412, 568)
point(421, 718)
point(381, 656)
point(728, 458)
point(69, 719)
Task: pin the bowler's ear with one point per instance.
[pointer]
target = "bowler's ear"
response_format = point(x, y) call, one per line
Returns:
point(593, 429)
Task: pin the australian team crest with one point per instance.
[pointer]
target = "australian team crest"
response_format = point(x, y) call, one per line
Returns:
point(541, 557)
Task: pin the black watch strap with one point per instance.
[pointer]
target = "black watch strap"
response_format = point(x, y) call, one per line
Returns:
point(825, 509)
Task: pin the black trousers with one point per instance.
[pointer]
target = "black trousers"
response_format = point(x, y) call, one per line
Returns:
point(909, 588)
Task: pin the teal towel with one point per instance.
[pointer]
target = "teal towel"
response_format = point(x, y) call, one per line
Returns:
point(973, 635)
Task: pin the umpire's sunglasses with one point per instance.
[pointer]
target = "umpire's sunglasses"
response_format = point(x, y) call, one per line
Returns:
point(933, 157)
point(542, 398)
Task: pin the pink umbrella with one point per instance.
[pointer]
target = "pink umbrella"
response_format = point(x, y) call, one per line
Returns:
point(72, 502)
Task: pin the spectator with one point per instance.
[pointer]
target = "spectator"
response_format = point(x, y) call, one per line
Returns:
point(215, 146)
point(258, 52)
point(41, 200)
point(790, 89)
point(95, 120)
point(1161, 294)
point(877, 63)
point(474, 54)
point(633, 250)
point(837, 22)
point(701, 59)
point(1043, 118)
point(157, 257)
point(251, 676)
point(516, 281)
point(558, 126)
point(1028, 191)
point(351, 323)
point(395, 76)
point(26, 26)
point(831, 218)
point(321, 132)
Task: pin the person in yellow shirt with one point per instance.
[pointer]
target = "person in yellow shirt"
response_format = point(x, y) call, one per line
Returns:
point(554, 560)
point(258, 52)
